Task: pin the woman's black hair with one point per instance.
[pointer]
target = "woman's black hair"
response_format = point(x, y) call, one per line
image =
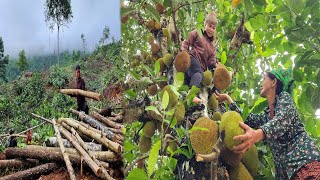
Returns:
point(279, 83)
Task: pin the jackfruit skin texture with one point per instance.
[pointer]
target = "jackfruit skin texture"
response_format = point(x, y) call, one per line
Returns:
point(167, 59)
point(216, 116)
point(144, 144)
point(251, 160)
point(155, 48)
point(182, 61)
point(157, 26)
point(213, 102)
point(202, 141)
point(149, 129)
point(159, 7)
point(152, 89)
point(150, 39)
point(173, 146)
point(150, 24)
point(132, 115)
point(239, 173)
point(207, 78)
point(229, 157)
point(221, 77)
point(230, 126)
point(180, 112)
point(173, 98)
point(166, 32)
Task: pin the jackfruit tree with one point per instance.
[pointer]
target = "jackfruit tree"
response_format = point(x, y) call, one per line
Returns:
point(251, 37)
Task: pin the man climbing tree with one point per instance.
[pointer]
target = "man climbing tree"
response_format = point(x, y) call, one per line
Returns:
point(80, 84)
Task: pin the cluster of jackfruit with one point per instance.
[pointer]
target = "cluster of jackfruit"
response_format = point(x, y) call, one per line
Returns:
point(221, 77)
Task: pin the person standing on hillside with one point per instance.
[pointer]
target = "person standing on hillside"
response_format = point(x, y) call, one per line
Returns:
point(80, 84)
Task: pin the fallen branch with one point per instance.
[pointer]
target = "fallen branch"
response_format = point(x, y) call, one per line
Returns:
point(42, 118)
point(115, 147)
point(19, 134)
point(65, 155)
point(95, 168)
point(18, 163)
point(52, 142)
point(88, 94)
point(32, 173)
point(106, 121)
point(128, 168)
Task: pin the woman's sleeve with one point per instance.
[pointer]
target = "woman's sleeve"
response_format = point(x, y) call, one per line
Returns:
point(282, 121)
point(253, 120)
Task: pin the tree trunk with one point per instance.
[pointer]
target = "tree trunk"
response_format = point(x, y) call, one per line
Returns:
point(108, 156)
point(96, 124)
point(32, 173)
point(52, 142)
point(106, 121)
point(63, 151)
point(81, 92)
point(17, 163)
point(104, 174)
point(95, 168)
point(115, 147)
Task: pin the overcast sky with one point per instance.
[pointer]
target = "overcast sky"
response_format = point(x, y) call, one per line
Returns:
point(23, 27)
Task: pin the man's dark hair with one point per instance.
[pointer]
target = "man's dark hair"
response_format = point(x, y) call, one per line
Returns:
point(77, 67)
point(279, 83)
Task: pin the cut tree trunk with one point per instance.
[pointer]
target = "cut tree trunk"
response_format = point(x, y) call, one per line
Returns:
point(104, 174)
point(108, 156)
point(106, 121)
point(32, 173)
point(95, 168)
point(52, 142)
point(63, 150)
point(96, 124)
point(18, 163)
point(88, 94)
point(115, 147)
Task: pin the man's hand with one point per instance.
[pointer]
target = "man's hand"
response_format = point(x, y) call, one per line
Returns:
point(223, 97)
point(248, 139)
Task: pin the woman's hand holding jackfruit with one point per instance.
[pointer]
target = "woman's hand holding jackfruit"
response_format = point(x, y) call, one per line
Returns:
point(223, 97)
point(248, 139)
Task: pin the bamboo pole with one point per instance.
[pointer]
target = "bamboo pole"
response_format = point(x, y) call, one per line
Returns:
point(95, 168)
point(63, 150)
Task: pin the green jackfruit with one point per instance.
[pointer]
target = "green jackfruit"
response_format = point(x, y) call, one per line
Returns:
point(144, 144)
point(155, 48)
point(251, 160)
point(229, 125)
point(168, 59)
point(149, 129)
point(239, 173)
point(173, 98)
point(180, 112)
point(216, 116)
point(229, 157)
point(213, 102)
point(203, 140)
point(207, 78)
point(166, 32)
point(162, 65)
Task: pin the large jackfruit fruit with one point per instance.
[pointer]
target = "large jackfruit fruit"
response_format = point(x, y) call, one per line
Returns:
point(182, 61)
point(230, 158)
point(207, 78)
point(213, 102)
point(173, 98)
point(144, 144)
point(221, 77)
point(216, 116)
point(239, 173)
point(167, 59)
point(149, 129)
point(203, 140)
point(180, 112)
point(229, 125)
point(251, 160)
point(155, 48)
point(152, 89)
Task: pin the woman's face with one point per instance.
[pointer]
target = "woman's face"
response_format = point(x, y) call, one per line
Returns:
point(210, 28)
point(267, 86)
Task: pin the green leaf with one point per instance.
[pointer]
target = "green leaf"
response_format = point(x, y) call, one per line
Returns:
point(130, 94)
point(248, 5)
point(153, 157)
point(259, 105)
point(156, 67)
point(192, 92)
point(296, 5)
point(149, 70)
point(137, 174)
point(200, 17)
point(153, 12)
point(126, 11)
point(178, 80)
point(154, 109)
point(165, 100)
point(223, 57)
point(197, 128)
point(135, 75)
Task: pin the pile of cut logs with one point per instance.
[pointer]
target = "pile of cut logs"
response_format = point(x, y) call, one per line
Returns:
point(93, 141)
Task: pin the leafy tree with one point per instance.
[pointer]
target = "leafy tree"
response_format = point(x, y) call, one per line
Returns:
point(59, 13)
point(3, 61)
point(22, 61)
point(84, 43)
